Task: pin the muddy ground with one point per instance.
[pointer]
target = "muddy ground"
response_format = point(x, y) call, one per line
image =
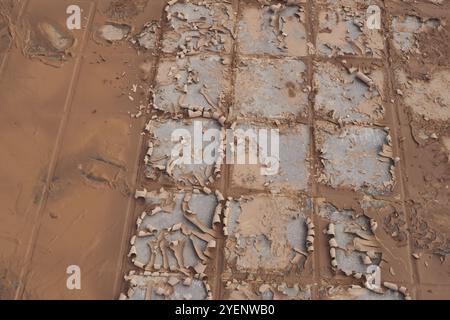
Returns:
point(87, 177)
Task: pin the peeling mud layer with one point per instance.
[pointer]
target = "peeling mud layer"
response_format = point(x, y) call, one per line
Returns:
point(266, 235)
point(342, 29)
point(355, 157)
point(107, 161)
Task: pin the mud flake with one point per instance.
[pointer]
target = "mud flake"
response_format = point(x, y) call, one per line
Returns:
point(406, 29)
point(180, 85)
point(266, 290)
point(357, 293)
point(162, 156)
point(199, 27)
point(172, 238)
point(57, 38)
point(162, 287)
point(428, 98)
point(347, 231)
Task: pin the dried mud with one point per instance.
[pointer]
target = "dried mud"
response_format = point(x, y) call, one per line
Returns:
point(88, 176)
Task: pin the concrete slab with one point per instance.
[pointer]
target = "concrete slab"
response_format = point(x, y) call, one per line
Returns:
point(269, 88)
point(357, 293)
point(430, 98)
point(197, 27)
point(276, 30)
point(343, 30)
point(170, 238)
point(262, 290)
point(267, 234)
point(165, 287)
point(342, 96)
point(163, 147)
point(355, 157)
point(406, 28)
point(348, 227)
point(180, 83)
point(293, 171)
point(374, 234)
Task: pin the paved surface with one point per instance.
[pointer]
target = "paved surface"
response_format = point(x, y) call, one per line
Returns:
point(364, 155)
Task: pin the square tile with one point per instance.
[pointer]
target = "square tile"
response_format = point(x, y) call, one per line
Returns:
point(427, 98)
point(178, 150)
point(289, 159)
point(354, 238)
point(344, 97)
point(406, 30)
point(266, 290)
point(420, 35)
point(199, 26)
point(268, 234)
point(200, 81)
point(276, 30)
point(165, 287)
point(356, 292)
point(343, 30)
point(175, 232)
point(353, 157)
point(271, 88)
point(392, 233)
point(375, 235)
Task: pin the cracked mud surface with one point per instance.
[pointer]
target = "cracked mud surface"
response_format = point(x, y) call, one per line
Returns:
point(88, 176)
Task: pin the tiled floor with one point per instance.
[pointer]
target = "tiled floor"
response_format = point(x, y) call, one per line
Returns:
point(312, 70)
point(335, 96)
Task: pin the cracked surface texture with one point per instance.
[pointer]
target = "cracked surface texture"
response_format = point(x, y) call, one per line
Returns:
point(96, 123)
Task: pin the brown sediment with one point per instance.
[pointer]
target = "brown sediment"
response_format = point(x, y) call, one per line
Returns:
point(88, 177)
point(67, 182)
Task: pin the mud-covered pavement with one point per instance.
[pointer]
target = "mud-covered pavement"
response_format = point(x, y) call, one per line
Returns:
point(88, 176)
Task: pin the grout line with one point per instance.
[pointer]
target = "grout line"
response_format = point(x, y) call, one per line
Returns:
point(310, 12)
point(220, 257)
